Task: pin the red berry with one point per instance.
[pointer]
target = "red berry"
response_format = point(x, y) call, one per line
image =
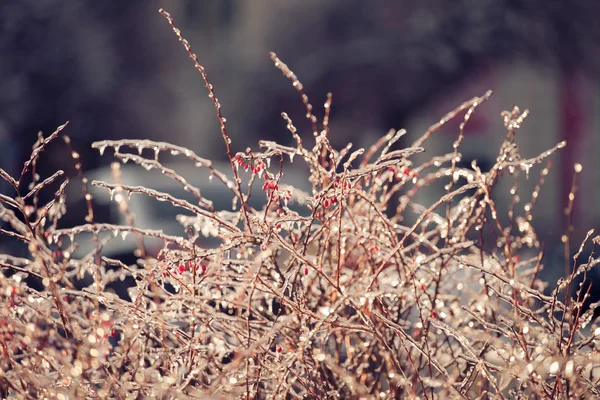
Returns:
point(201, 268)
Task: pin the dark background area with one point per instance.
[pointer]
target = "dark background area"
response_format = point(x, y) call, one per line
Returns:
point(115, 70)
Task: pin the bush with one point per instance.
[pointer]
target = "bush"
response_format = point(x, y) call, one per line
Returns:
point(358, 291)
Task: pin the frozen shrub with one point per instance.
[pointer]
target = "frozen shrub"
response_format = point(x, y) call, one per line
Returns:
point(337, 297)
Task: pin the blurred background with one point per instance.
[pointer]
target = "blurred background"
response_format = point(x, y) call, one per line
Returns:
point(115, 70)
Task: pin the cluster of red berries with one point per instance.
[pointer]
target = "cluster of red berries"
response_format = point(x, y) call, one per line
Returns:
point(406, 171)
point(374, 249)
point(257, 168)
point(181, 268)
point(338, 184)
point(333, 199)
point(330, 201)
point(57, 255)
point(270, 185)
point(272, 188)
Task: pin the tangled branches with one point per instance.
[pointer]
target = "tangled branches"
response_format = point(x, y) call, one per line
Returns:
point(353, 290)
